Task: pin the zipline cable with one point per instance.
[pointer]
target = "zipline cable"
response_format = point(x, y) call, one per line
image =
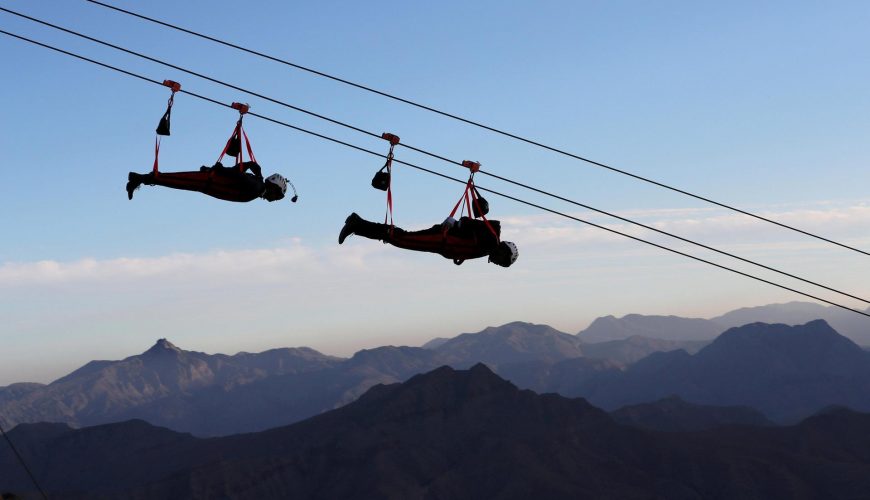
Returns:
point(479, 125)
point(460, 181)
point(433, 155)
point(23, 463)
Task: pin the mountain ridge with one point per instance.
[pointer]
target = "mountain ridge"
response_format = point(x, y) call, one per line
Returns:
point(452, 434)
point(221, 394)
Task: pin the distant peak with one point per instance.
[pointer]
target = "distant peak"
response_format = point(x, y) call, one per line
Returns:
point(163, 346)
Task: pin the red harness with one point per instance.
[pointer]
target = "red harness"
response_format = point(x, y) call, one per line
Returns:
point(470, 196)
point(233, 146)
point(163, 126)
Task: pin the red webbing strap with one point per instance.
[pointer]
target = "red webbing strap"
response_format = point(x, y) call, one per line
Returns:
point(389, 166)
point(248, 146)
point(461, 199)
point(393, 139)
point(156, 154)
point(389, 208)
point(485, 221)
point(227, 145)
point(174, 87)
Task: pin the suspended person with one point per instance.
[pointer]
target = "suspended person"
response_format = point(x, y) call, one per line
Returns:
point(225, 183)
point(471, 237)
point(467, 238)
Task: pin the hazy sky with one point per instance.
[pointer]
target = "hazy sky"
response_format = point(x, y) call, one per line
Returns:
point(763, 105)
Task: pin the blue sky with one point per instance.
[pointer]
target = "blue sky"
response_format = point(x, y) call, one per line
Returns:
point(761, 105)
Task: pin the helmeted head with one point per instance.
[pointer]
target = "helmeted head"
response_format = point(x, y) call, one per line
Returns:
point(276, 187)
point(505, 254)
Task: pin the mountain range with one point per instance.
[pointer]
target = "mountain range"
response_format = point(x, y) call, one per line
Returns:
point(218, 394)
point(848, 324)
point(450, 434)
point(785, 372)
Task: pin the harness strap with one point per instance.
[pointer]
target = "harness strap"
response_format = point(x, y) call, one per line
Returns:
point(461, 199)
point(238, 133)
point(230, 140)
point(389, 166)
point(468, 197)
point(163, 125)
point(248, 147)
point(475, 196)
point(156, 155)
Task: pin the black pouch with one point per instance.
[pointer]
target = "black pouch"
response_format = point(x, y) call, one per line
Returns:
point(163, 126)
point(480, 206)
point(234, 146)
point(381, 180)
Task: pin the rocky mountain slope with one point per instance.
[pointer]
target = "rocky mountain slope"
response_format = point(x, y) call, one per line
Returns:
point(451, 434)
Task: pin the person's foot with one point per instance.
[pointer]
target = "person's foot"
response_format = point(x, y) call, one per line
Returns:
point(347, 230)
point(134, 180)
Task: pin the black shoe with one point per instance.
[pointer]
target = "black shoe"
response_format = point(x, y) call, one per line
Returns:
point(134, 180)
point(347, 230)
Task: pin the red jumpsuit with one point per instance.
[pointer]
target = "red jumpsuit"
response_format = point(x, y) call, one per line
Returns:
point(467, 239)
point(225, 183)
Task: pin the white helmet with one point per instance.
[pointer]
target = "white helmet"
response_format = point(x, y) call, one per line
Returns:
point(505, 254)
point(278, 180)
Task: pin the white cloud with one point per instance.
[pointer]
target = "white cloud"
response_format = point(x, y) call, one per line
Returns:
point(364, 293)
point(712, 226)
point(250, 264)
point(538, 237)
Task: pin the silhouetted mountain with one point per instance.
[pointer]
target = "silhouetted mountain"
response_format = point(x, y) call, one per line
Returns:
point(673, 414)
point(210, 395)
point(609, 328)
point(848, 324)
point(520, 343)
point(434, 343)
point(511, 343)
point(165, 385)
point(570, 377)
point(632, 349)
point(19, 390)
point(790, 313)
point(452, 434)
point(786, 372)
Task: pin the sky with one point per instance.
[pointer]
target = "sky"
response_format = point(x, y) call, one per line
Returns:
point(761, 105)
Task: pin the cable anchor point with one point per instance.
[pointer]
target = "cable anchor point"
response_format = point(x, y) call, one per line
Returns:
point(393, 139)
point(474, 166)
point(241, 108)
point(174, 86)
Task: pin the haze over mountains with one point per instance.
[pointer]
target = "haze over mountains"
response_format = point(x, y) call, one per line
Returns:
point(847, 323)
point(451, 434)
point(219, 395)
point(786, 373)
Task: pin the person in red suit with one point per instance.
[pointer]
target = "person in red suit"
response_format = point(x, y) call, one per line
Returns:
point(459, 240)
point(218, 181)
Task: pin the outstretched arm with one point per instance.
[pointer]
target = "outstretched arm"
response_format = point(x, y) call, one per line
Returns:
point(254, 167)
